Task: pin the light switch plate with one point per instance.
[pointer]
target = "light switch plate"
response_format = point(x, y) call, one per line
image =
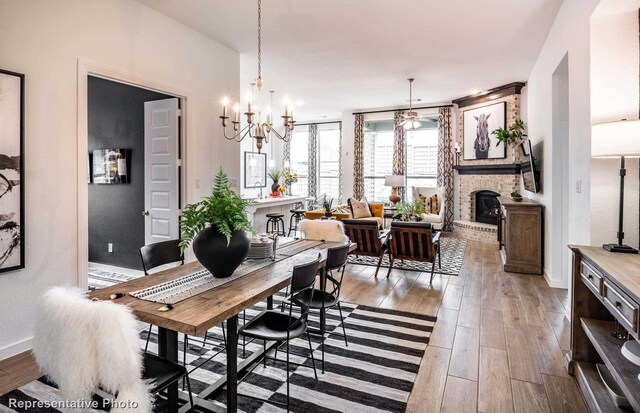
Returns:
point(579, 186)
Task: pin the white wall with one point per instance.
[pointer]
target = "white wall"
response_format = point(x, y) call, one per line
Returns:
point(44, 40)
point(569, 34)
point(614, 96)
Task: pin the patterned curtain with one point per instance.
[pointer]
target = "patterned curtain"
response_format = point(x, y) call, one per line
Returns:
point(340, 164)
point(358, 158)
point(445, 164)
point(287, 153)
point(399, 138)
point(313, 161)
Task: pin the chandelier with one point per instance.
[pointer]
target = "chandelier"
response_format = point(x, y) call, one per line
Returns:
point(256, 128)
point(410, 119)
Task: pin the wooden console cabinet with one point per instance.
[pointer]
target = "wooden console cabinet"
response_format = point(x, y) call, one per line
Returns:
point(520, 235)
point(605, 298)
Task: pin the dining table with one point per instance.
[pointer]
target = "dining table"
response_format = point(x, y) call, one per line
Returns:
point(200, 312)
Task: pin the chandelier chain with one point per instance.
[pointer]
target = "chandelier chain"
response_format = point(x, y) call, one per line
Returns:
point(259, 39)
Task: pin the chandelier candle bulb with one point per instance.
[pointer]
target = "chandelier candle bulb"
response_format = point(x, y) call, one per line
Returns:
point(225, 102)
point(236, 108)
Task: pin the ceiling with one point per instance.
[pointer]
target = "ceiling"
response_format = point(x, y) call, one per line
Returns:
point(335, 55)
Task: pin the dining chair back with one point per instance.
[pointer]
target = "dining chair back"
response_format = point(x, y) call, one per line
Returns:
point(303, 279)
point(337, 257)
point(160, 253)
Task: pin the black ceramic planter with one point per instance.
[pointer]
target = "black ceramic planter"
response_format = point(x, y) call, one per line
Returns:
point(212, 251)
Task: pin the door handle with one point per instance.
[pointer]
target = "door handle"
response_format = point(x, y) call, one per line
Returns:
point(145, 213)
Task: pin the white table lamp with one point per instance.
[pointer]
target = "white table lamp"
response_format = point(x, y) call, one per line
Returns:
point(394, 181)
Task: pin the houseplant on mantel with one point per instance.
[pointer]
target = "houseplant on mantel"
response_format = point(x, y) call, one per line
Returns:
point(217, 226)
point(511, 136)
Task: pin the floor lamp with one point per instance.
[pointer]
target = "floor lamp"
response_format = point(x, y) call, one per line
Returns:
point(619, 139)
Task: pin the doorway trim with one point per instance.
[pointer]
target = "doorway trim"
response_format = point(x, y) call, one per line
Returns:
point(87, 68)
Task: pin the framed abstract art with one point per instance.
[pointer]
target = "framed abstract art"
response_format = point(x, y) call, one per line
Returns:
point(11, 171)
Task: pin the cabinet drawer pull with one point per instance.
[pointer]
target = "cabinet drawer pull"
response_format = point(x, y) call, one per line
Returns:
point(618, 304)
point(590, 277)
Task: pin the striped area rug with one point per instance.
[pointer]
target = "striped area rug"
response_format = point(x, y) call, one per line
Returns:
point(374, 373)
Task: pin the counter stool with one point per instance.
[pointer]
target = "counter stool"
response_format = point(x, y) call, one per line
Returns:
point(296, 217)
point(275, 224)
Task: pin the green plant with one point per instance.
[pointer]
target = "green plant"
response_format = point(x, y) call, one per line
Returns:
point(223, 209)
point(406, 211)
point(512, 135)
point(327, 203)
point(275, 174)
point(516, 194)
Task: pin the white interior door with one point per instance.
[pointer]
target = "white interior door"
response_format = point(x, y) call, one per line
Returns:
point(161, 170)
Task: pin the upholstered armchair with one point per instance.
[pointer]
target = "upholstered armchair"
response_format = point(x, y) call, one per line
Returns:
point(436, 220)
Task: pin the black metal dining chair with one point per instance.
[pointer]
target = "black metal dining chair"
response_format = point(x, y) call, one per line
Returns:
point(163, 253)
point(274, 325)
point(323, 300)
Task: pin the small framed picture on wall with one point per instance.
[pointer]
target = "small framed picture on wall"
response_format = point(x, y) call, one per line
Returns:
point(477, 125)
point(11, 171)
point(255, 170)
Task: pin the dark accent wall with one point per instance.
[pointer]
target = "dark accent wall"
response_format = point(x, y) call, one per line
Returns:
point(116, 120)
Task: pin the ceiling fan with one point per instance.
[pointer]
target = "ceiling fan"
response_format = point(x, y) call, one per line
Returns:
point(410, 119)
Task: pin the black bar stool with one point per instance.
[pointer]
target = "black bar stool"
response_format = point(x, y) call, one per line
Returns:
point(296, 216)
point(275, 224)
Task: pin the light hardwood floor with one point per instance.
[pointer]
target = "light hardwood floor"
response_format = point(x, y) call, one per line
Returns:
point(497, 346)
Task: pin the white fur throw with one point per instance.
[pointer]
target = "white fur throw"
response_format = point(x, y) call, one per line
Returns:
point(320, 229)
point(81, 344)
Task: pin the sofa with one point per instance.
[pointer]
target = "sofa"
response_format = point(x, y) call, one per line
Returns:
point(377, 208)
point(436, 220)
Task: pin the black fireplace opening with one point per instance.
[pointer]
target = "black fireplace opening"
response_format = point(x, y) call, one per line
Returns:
point(487, 207)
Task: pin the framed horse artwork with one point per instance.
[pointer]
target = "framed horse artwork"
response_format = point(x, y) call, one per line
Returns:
point(477, 125)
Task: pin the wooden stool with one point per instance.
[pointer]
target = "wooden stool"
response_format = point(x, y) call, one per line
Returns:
point(275, 224)
point(296, 217)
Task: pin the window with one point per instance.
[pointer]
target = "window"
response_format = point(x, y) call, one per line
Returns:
point(378, 159)
point(299, 159)
point(421, 159)
point(329, 162)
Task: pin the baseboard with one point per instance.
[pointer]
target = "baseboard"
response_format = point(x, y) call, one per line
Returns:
point(15, 349)
point(552, 283)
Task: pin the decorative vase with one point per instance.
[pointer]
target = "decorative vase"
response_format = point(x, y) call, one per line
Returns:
point(211, 249)
point(274, 186)
point(517, 198)
point(327, 214)
point(289, 190)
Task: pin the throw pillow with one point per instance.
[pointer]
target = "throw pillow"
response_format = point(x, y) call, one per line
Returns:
point(359, 209)
point(433, 204)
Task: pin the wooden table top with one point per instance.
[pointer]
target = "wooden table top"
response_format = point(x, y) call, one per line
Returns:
point(197, 314)
point(623, 269)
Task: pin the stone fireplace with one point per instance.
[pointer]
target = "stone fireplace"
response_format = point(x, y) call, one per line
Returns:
point(486, 207)
point(480, 181)
point(480, 185)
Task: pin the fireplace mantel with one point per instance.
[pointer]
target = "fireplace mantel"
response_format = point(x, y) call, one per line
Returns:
point(495, 169)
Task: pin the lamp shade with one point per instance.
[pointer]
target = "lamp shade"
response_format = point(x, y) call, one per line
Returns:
point(394, 180)
point(615, 139)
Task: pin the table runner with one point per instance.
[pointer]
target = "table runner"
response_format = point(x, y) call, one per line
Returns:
point(174, 291)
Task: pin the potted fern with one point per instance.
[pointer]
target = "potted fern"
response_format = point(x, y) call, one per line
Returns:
point(217, 226)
